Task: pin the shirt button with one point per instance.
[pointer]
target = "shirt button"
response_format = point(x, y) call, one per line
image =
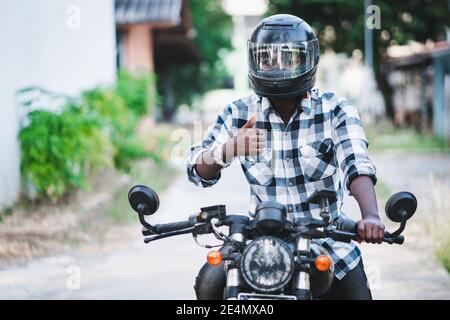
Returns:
point(288, 159)
point(291, 183)
point(290, 208)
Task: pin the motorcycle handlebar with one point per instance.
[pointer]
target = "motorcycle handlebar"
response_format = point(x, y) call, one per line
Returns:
point(174, 226)
point(346, 231)
point(387, 237)
point(348, 228)
point(397, 240)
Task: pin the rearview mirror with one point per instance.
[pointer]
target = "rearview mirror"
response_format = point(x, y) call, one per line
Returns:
point(143, 200)
point(401, 205)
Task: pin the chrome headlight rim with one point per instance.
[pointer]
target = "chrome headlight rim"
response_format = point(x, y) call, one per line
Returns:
point(290, 269)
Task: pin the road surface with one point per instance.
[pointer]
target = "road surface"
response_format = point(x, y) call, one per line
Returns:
point(167, 269)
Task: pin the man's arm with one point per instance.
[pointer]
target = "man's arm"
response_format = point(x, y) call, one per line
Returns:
point(203, 169)
point(206, 167)
point(370, 227)
point(359, 172)
point(247, 141)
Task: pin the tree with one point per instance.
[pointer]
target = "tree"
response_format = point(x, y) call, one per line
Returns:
point(213, 33)
point(340, 25)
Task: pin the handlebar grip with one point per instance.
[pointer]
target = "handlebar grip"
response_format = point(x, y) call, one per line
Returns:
point(174, 226)
point(398, 240)
point(347, 227)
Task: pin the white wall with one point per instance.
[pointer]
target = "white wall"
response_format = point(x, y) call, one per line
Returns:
point(62, 45)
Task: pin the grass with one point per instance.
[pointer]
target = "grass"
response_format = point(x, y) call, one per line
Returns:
point(384, 136)
point(5, 212)
point(443, 253)
point(439, 225)
point(441, 234)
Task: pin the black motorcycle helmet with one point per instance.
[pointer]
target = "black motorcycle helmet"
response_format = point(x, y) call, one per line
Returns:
point(283, 53)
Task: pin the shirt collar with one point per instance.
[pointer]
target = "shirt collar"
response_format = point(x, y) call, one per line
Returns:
point(305, 104)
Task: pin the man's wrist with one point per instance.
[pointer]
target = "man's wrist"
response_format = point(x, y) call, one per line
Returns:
point(371, 215)
point(220, 156)
point(229, 150)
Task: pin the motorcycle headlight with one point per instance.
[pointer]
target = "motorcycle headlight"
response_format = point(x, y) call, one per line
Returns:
point(267, 264)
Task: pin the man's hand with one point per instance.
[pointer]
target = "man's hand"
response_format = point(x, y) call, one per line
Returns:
point(248, 141)
point(370, 229)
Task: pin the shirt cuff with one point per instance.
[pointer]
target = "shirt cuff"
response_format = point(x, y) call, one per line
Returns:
point(194, 177)
point(360, 170)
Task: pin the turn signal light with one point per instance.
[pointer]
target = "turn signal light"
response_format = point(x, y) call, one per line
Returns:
point(323, 263)
point(214, 258)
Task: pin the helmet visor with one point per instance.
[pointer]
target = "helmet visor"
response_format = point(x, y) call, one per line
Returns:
point(281, 61)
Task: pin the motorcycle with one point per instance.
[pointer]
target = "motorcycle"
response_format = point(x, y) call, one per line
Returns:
point(271, 256)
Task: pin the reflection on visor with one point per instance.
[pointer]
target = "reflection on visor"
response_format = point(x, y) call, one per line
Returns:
point(278, 59)
point(283, 60)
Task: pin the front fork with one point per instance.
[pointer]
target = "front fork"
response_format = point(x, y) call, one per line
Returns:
point(301, 283)
point(234, 280)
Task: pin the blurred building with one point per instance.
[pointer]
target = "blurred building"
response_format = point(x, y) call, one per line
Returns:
point(420, 78)
point(68, 46)
point(246, 16)
point(154, 35)
point(349, 77)
point(64, 46)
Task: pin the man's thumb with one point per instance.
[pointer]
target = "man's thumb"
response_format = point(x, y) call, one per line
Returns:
point(250, 122)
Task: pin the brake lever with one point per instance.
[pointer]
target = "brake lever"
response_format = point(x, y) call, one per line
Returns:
point(342, 236)
point(345, 236)
point(167, 235)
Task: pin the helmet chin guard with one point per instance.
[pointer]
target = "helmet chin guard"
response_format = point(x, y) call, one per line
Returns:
point(283, 53)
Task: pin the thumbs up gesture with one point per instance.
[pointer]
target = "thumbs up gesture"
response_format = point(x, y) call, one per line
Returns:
point(250, 123)
point(249, 140)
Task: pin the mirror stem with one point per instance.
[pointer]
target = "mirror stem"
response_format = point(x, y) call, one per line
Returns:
point(144, 223)
point(404, 216)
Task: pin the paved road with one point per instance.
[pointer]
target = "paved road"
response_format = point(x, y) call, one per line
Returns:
point(162, 270)
point(166, 270)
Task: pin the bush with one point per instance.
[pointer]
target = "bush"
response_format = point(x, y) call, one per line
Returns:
point(121, 115)
point(58, 150)
point(137, 91)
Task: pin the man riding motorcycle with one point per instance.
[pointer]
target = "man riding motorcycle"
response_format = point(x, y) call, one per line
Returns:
point(291, 140)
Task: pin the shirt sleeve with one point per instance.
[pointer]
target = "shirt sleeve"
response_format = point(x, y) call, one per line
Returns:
point(218, 133)
point(351, 144)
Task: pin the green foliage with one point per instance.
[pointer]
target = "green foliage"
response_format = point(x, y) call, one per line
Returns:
point(213, 32)
point(340, 26)
point(443, 252)
point(58, 149)
point(112, 109)
point(401, 21)
point(385, 137)
point(119, 121)
point(134, 90)
point(121, 109)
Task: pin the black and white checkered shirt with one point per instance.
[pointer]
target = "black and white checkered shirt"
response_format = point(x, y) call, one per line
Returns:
point(324, 134)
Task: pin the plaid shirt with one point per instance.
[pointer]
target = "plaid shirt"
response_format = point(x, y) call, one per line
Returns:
point(324, 134)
